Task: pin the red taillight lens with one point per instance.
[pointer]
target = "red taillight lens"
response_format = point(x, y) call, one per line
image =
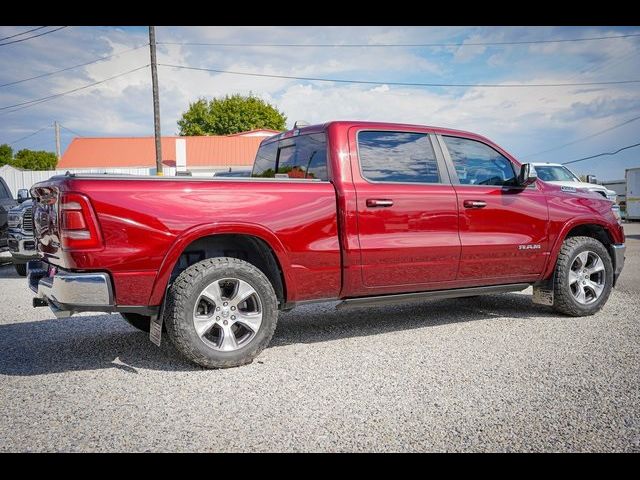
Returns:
point(73, 220)
point(78, 224)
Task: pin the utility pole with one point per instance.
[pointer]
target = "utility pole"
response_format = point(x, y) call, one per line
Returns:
point(56, 127)
point(156, 100)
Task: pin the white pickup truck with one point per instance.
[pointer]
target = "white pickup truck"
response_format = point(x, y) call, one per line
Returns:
point(561, 175)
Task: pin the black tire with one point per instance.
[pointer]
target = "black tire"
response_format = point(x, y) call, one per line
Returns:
point(141, 322)
point(563, 300)
point(181, 300)
point(21, 269)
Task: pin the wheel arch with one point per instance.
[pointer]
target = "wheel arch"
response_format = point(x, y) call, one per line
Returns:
point(258, 241)
point(599, 230)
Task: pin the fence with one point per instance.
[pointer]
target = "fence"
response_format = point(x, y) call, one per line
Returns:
point(17, 179)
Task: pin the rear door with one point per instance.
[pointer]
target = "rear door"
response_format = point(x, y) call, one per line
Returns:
point(503, 227)
point(406, 209)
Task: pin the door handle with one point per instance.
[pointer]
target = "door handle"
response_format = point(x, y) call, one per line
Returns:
point(474, 204)
point(376, 202)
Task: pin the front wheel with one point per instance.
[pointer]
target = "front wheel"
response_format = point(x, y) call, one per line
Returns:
point(583, 277)
point(221, 312)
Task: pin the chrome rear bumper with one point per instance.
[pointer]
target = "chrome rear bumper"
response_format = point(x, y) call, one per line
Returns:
point(70, 292)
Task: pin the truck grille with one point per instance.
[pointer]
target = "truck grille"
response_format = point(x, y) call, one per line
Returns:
point(27, 220)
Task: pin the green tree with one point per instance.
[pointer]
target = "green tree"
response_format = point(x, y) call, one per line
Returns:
point(6, 154)
point(231, 114)
point(35, 160)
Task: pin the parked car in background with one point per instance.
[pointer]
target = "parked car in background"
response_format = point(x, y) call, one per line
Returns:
point(6, 203)
point(367, 213)
point(20, 238)
point(559, 174)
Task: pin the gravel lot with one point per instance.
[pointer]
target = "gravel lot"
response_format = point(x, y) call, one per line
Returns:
point(495, 373)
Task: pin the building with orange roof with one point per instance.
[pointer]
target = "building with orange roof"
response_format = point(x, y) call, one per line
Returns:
point(198, 154)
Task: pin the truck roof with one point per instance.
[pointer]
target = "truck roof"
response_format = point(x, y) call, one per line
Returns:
point(320, 127)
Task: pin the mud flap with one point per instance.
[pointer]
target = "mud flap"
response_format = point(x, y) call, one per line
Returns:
point(155, 330)
point(542, 295)
point(543, 291)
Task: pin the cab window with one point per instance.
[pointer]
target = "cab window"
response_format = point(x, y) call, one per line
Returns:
point(478, 164)
point(4, 192)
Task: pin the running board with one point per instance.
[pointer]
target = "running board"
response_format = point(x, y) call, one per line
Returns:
point(433, 295)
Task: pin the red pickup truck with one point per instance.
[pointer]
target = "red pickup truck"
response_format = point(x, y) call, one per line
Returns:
point(360, 212)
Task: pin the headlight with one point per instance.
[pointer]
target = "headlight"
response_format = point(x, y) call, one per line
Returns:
point(14, 220)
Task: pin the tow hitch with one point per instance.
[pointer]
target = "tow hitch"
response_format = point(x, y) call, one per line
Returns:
point(39, 302)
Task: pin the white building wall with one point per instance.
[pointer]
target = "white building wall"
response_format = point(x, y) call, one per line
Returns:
point(17, 179)
point(181, 154)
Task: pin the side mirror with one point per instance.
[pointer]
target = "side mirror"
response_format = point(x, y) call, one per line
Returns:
point(527, 175)
point(592, 179)
point(23, 194)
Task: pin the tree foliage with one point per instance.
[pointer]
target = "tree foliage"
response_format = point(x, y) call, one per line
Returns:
point(6, 154)
point(231, 114)
point(35, 160)
point(27, 159)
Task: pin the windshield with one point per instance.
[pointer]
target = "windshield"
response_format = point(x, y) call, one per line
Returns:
point(550, 173)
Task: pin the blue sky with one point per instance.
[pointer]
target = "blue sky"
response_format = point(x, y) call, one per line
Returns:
point(525, 121)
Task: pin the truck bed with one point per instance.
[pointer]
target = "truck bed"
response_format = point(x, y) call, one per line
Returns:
point(145, 220)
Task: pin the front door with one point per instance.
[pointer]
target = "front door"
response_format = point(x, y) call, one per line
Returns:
point(407, 211)
point(503, 227)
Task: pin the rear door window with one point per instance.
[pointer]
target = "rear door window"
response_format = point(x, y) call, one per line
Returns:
point(398, 157)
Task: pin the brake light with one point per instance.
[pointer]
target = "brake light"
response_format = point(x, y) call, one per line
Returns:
point(78, 223)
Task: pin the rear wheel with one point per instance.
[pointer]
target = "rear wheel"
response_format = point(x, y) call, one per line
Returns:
point(583, 277)
point(221, 312)
point(21, 269)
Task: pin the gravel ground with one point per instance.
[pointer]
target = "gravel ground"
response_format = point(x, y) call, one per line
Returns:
point(495, 373)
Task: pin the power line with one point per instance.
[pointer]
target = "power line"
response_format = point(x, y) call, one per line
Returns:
point(406, 84)
point(602, 154)
point(583, 138)
point(32, 36)
point(608, 64)
point(378, 45)
point(44, 142)
point(30, 135)
point(31, 103)
point(22, 33)
point(68, 129)
point(74, 66)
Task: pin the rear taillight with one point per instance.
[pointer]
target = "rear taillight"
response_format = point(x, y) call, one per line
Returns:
point(78, 223)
